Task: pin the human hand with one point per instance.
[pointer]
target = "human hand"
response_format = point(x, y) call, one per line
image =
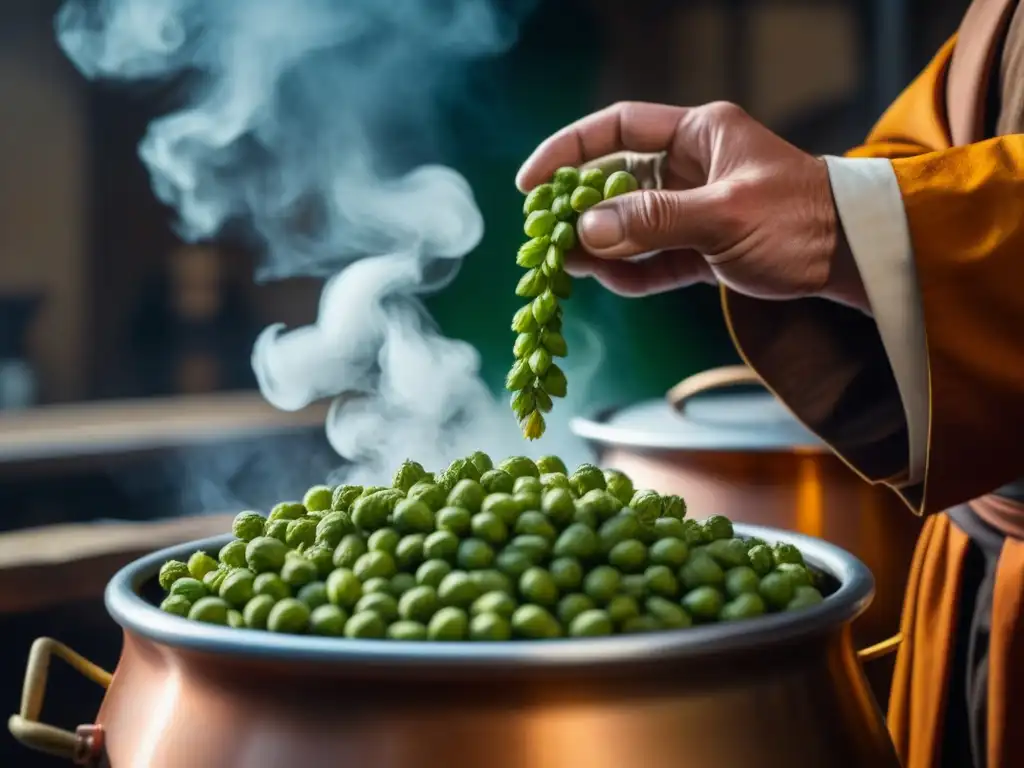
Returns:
point(738, 205)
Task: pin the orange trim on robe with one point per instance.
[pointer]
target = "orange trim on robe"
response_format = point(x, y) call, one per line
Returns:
point(918, 699)
point(1006, 661)
point(965, 209)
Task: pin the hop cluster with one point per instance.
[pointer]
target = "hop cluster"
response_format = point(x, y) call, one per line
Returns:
point(551, 211)
point(521, 549)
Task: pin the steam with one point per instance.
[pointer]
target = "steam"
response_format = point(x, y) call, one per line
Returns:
point(288, 131)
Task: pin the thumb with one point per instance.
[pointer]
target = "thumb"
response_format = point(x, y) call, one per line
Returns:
point(654, 220)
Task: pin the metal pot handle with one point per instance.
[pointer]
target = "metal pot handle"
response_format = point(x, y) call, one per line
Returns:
point(878, 650)
point(705, 381)
point(85, 746)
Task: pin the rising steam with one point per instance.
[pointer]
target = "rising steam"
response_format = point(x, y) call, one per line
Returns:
point(285, 133)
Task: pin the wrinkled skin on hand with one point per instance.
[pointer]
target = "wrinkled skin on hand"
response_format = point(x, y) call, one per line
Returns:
point(739, 206)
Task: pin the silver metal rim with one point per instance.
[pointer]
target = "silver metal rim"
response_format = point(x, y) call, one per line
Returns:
point(599, 432)
point(854, 595)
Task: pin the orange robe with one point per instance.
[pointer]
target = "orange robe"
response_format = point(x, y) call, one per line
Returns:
point(965, 212)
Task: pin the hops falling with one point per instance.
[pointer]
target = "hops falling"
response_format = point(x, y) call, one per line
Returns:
point(551, 211)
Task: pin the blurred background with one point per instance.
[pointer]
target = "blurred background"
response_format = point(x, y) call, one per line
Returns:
point(126, 394)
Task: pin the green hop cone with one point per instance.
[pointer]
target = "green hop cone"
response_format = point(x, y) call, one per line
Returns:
point(482, 461)
point(540, 361)
point(177, 605)
point(200, 564)
point(583, 199)
point(620, 183)
point(232, 554)
point(287, 510)
point(209, 610)
point(544, 404)
point(332, 527)
point(673, 506)
point(462, 469)
point(300, 533)
point(343, 497)
point(562, 208)
point(408, 474)
point(551, 464)
point(539, 199)
point(523, 403)
point(171, 571)
point(554, 343)
point(565, 180)
point(532, 284)
point(561, 284)
point(531, 253)
point(248, 525)
point(554, 382)
point(523, 320)
point(554, 261)
point(541, 223)
point(317, 499)
point(429, 493)
point(525, 344)
point(544, 307)
point(786, 553)
point(619, 485)
point(533, 426)
point(519, 376)
point(718, 527)
point(592, 177)
point(563, 236)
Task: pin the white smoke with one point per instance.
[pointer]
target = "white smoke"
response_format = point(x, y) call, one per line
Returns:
point(285, 131)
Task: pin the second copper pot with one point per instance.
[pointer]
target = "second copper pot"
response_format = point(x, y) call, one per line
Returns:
point(727, 446)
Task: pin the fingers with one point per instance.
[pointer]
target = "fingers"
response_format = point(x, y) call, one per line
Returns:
point(646, 167)
point(636, 126)
point(630, 125)
point(659, 273)
point(655, 220)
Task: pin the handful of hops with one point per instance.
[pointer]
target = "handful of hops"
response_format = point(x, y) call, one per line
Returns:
point(551, 211)
point(523, 550)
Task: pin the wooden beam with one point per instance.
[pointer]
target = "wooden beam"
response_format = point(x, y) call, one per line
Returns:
point(54, 565)
point(119, 426)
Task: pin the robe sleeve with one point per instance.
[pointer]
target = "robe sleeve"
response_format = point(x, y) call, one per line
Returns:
point(916, 122)
point(832, 365)
point(965, 210)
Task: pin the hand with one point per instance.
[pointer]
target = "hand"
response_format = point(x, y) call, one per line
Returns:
point(739, 206)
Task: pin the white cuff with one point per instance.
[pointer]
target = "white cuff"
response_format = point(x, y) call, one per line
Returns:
point(870, 208)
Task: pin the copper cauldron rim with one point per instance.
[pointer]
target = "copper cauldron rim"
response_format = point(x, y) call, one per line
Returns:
point(853, 596)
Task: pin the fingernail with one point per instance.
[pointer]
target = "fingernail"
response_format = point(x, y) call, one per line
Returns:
point(601, 228)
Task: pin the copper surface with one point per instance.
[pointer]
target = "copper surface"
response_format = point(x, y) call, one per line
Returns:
point(782, 690)
point(813, 493)
point(804, 705)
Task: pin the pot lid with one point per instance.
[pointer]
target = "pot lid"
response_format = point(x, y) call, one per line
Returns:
point(726, 409)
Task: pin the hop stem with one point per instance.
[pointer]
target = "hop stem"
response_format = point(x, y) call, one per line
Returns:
point(551, 212)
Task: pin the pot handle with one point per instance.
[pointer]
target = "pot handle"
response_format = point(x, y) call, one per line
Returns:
point(85, 746)
point(878, 650)
point(705, 381)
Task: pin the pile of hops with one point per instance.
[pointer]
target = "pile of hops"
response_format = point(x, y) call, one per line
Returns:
point(551, 211)
point(523, 550)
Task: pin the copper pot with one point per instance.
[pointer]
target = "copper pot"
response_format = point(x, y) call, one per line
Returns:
point(742, 454)
point(774, 692)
